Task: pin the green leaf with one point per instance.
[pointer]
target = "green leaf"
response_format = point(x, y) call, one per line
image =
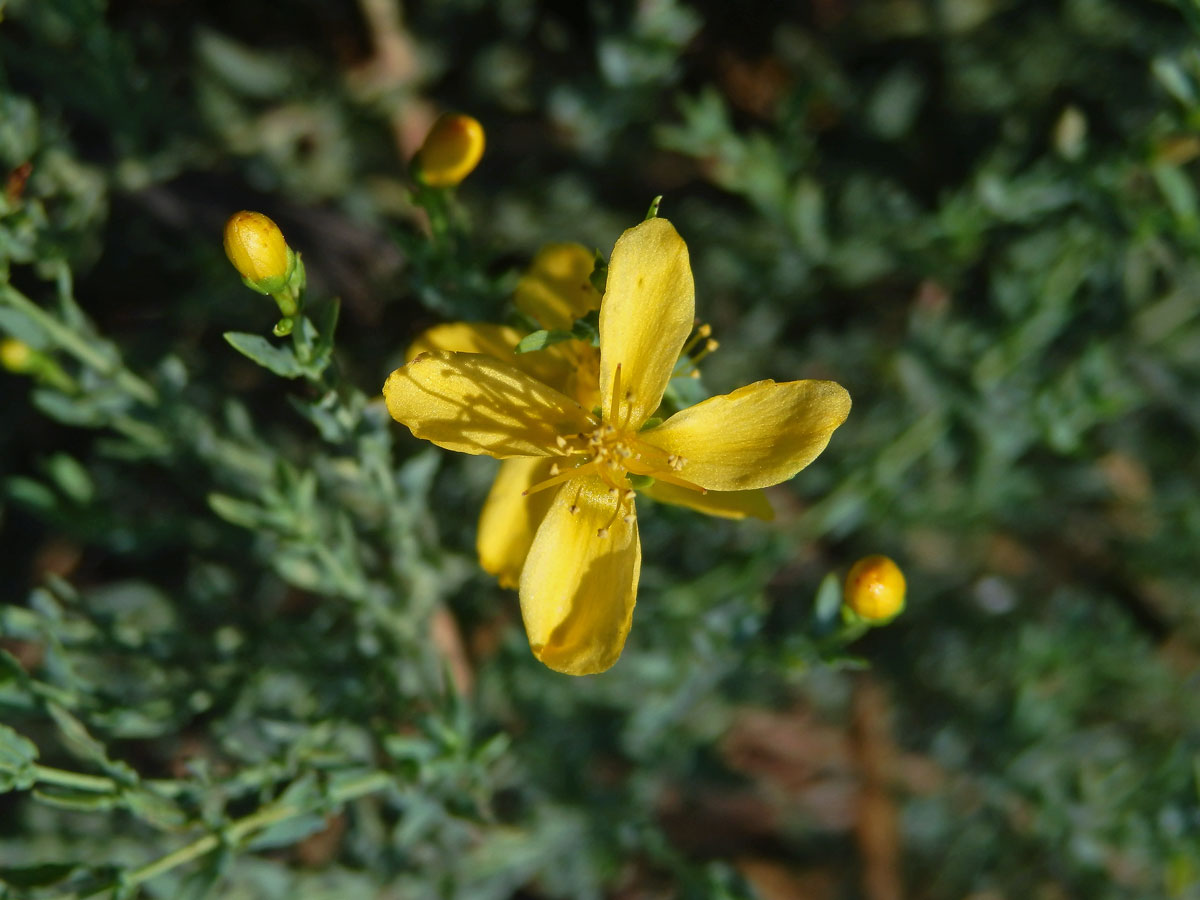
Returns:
point(41, 875)
point(828, 600)
point(80, 801)
point(17, 757)
point(279, 360)
point(326, 327)
point(236, 512)
point(80, 742)
point(289, 831)
point(588, 329)
point(155, 809)
point(71, 477)
point(540, 340)
point(599, 276)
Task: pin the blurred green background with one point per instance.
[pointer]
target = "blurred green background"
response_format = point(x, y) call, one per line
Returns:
point(229, 595)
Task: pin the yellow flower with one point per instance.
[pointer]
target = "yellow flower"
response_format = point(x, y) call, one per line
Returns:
point(255, 246)
point(451, 151)
point(875, 589)
point(579, 581)
point(555, 291)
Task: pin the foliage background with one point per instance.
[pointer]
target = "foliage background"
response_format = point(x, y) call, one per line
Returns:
point(236, 606)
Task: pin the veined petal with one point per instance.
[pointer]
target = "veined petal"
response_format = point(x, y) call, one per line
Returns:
point(510, 520)
point(551, 365)
point(723, 504)
point(759, 435)
point(578, 589)
point(477, 404)
point(557, 289)
point(648, 311)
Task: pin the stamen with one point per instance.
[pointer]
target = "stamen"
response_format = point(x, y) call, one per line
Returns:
point(709, 346)
point(685, 360)
point(679, 482)
point(555, 478)
point(701, 333)
point(602, 531)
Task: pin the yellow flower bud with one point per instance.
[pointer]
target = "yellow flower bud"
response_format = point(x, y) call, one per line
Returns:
point(255, 246)
point(451, 151)
point(875, 589)
point(17, 356)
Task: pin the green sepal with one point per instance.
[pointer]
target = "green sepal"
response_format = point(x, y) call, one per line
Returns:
point(278, 283)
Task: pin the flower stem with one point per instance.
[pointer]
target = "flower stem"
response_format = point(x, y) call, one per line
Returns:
point(233, 833)
point(79, 347)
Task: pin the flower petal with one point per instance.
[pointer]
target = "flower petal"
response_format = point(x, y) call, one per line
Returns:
point(510, 519)
point(723, 504)
point(557, 289)
point(578, 589)
point(477, 404)
point(648, 311)
point(551, 365)
point(759, 435)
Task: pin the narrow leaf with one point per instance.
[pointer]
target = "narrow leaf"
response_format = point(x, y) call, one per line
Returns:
point(279, 360)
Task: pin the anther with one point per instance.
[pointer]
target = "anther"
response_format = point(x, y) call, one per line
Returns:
point(601, 532)
point(554, 469)
point(560, 442)
point(629, 519)
point(573, 509)
point(709, 346)
point(701, 333)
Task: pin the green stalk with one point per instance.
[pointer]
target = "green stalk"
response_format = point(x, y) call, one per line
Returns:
point(79, 347)
point(235, 832)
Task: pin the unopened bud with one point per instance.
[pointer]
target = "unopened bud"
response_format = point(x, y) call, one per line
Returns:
point(255, 246)
point(17, 356)
point(875, 589)
point(451, 151)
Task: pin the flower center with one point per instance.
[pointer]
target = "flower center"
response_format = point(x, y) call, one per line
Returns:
point(611, 453)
